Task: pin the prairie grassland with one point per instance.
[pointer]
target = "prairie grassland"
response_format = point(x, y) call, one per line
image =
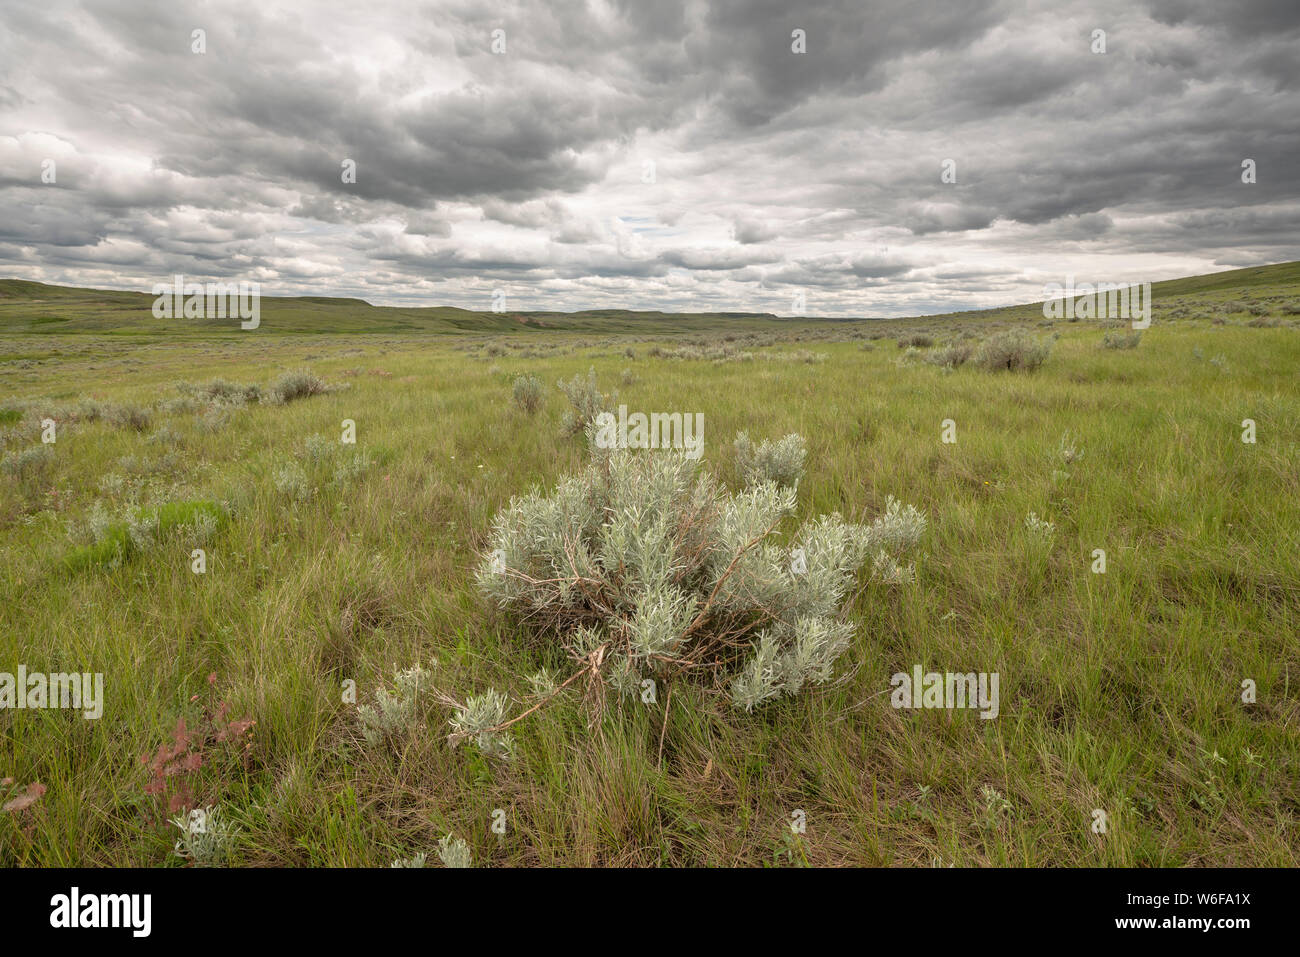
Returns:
point(1120, 692)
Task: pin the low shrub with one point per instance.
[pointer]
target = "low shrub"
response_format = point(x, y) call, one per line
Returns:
point(1120, 340)
point(951, 355)
point(528, 393)
point(219, 390)
point(1012, 350)
point(134, 417)
point(917, 340)
point(781, 461)
point(586, 402)
point(216, 746)
point(393, 714)
point(643, 565)
point(28, 462)
point(298, 384)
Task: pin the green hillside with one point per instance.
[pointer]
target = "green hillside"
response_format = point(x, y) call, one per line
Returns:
point(35, 308)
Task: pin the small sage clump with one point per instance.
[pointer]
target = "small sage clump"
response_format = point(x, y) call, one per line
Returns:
point(950, 356)
point(1120, 340)
point(781, 461)
point(454, 852)
point(586, 402)
point(1012, 350)
point(1041, 536)
point(207, 838)
point(528, 393)
point(393, 713)
point(297, 384)
point(29, 461)
point(476, 719)
point(1039, 527)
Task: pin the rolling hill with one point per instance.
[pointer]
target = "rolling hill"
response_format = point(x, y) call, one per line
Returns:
point(34, 308)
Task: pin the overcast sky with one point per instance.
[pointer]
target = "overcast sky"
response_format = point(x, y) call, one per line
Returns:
point(648, 154)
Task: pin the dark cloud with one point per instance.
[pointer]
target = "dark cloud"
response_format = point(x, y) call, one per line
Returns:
point(648, 155)
point(1241, 18)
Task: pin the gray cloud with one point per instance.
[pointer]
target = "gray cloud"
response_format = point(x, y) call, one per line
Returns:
point(667, 155)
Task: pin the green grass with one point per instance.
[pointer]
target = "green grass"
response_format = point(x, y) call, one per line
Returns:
point(1119, 692)
point(115, 544)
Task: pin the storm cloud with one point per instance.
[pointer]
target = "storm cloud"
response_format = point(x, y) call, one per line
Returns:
point(877, 158)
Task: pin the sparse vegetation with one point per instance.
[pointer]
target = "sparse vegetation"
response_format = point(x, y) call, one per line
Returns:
point(330, 563)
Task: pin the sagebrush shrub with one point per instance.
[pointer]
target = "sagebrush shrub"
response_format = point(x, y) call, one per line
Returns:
point(290, 480)
point(950, 356)
point(89, 410)
point(476, 719)
point(26, 462)
point(394, 713)
point(133, 417)
point(298, 384)
point(1068, 449)
point(781, 461)
point(644, 565)
point(214, 419)
point(586, 402)
point(219, 390)
point(1012, 350)
point(207, 838)
point(799, 355)
point(910, 357)
point(1120, 340)
point(454, 852)
point(333, 463)
point(166, 436)
point(1039, 527)
point(528, 393)
point(918, 340)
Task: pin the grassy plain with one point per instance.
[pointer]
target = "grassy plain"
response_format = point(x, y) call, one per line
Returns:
point(1120, 691)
